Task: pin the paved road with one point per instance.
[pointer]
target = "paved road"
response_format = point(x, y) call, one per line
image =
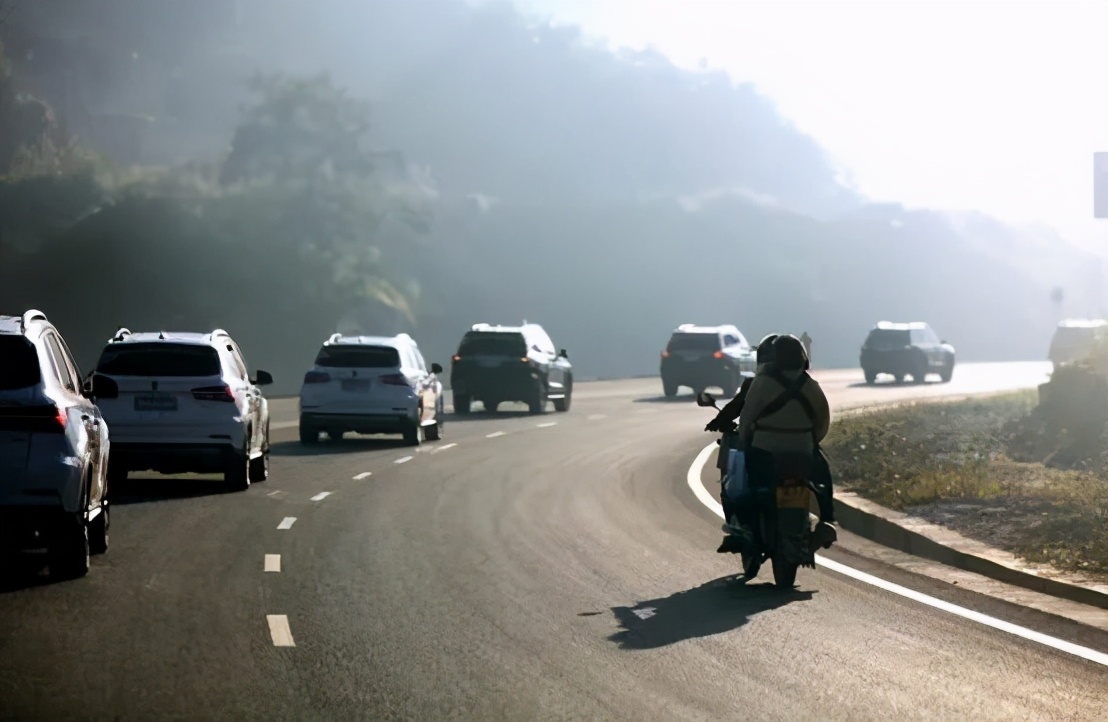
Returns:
point(553, 567)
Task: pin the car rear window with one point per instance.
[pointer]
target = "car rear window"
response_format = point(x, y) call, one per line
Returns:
point(18, 363)
point(159, 359)
point(358, 357)
point(694, 342)
point(493, 344)
point(888, 339)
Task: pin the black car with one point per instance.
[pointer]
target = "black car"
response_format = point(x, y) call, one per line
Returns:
point(703, 356)
point(906, 349)
point(510, 363)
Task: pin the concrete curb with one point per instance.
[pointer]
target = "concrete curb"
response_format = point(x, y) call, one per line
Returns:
point(929, 541)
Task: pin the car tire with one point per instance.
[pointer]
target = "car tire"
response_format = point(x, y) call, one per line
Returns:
point(947, 372)
point(537, 403)
point(669, 389)
point(563, 403)
point(730, 388)
point(413, 435)
point(308, 433)
point(435, 432)
point(98, 530)
point(259, 467)
point(237, 473)
point(871, 376)
point(461, 404)
point(117, 473)
point(69, 550)
point(920, 374)
point(900, 378)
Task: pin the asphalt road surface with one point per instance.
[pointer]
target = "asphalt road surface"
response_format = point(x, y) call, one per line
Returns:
point(525, 567)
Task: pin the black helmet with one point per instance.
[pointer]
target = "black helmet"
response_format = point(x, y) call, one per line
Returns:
point(765, 349)
point(789, 354)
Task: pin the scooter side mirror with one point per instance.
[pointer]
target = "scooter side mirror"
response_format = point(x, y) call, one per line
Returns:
point(705, 399)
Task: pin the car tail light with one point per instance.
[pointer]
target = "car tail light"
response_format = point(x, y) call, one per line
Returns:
point(316, 377)
point(524, 359)
point(665, 354)
point(213, 393)
point(395, 380)
point(456, 358)
point(717, 354)
point(45, 419)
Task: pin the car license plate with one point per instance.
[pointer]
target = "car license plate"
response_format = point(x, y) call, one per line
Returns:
point(155, 402)
point(488, 363)
point(356, 385)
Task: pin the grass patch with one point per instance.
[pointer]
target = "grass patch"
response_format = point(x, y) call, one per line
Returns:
point(967, 465)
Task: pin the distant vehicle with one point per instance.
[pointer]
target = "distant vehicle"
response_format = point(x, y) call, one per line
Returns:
point(495, 364)
point(183, 402)
point(371, 385)
point(906, 349)
point(1075, 338)
point(706, 356)
point(54, 449)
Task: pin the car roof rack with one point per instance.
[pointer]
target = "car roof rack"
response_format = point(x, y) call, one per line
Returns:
point(334, 338)
point(31, 315)
point(120, 333)
point(217, 332)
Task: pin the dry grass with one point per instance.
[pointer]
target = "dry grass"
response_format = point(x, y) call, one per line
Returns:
point(951, 463)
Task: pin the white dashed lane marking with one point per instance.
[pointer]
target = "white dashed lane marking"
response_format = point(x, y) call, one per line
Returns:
point(273, 562)
point(403, 460)
point(548, 424)
point(362, 475)
point(287, 522)
point(494, 434)
point(443, 448)
point(321, 496)
point(279, 630)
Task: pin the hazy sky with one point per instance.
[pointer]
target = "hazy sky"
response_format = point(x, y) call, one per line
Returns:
point(991, 105)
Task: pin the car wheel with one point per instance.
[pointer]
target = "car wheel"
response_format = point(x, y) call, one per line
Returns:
point(69, 550)
point(669, 389)
point(948, 372)
point(871, 376)
point(900, 378)
point(920, 374)
point(413, 435)
point(98, 530)
point(461, 404)
point(434, 432)
point(237, 473)
point(563, 403)
point(730, 388)
point(308, 433)
point(537, 403)
point(259, 467)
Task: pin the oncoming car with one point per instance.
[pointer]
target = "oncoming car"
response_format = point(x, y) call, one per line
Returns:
point(371, 385)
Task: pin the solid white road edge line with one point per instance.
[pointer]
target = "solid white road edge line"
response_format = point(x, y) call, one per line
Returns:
point(1061, 645)
point(279, 630)
point(321, 496)
point(287, 522)
point(362, 475)
point(273, 562)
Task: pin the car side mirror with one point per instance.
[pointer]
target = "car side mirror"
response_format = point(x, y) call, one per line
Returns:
point(563, 354)
point(102, 387)
point(86, 388)
point(436, 368)
point(264, 378)
point(705, 399)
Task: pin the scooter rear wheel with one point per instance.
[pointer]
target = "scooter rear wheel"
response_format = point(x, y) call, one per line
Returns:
point(784, 573)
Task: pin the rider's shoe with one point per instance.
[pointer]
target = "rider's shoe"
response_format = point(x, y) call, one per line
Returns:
point(731, 544)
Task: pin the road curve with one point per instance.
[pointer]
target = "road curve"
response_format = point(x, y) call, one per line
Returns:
point(525, 567)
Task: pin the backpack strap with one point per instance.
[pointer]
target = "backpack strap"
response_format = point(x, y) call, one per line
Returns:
point(792, 392)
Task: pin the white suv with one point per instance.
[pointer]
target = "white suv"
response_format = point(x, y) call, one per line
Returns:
point(183, 402)
point(53, 449)
point(371, 385)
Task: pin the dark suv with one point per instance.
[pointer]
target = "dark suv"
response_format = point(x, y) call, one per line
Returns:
point(703, 356)
point(510, 363)
point(906, 349)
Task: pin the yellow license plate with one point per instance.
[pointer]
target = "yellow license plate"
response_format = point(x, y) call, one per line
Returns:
point(793, 497)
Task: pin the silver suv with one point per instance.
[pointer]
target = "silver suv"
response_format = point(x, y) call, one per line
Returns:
point(53, 449)
point(183, 402)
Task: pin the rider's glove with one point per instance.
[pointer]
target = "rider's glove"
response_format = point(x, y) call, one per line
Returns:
point(715, 424)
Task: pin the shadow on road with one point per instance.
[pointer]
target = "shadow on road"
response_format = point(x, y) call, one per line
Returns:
point(714, 607)
point(23, 570)
point(890, 384)
point(479, 414)
point(328, 447)
point(154, 488)
point(678, 399)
